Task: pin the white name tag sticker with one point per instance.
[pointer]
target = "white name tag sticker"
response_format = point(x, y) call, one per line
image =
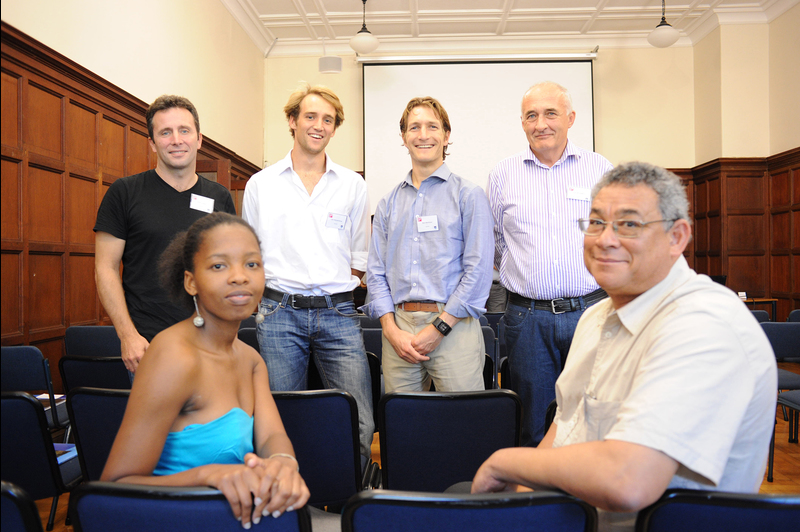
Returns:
point(578, 193)
point(335, 221)
point(202, 203)
point(426, 224)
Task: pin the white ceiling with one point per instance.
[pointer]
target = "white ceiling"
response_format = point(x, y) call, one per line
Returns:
point(297, 27)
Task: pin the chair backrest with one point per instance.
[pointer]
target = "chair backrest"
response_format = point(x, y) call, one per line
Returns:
point(323, 428)
point(491, 347)
point(715, 511)
point(791, 399)
point(93, 372)
point(794, 316)
point(483, 320)
point(760, 315)
point(103, 506)
point(28, 456)
point(18, 512)
point(501, 338)
point(373, 341)
point(24, 369)
point(249, 336)
point(494, 318)
point(430, 441)
point(376, 383)
point(401, 511)
point(92, 341)
point(784, 338)
point(96, 416)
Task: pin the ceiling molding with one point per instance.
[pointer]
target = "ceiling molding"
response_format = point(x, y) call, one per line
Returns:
point(295, 27)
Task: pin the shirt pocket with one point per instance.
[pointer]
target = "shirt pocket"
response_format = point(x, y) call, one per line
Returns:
point(600, 417)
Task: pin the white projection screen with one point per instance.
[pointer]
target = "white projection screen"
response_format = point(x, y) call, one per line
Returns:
point(483, 101)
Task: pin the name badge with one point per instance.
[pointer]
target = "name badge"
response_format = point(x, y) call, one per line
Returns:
point(426, 224)
point(335, 221)
point(578, 193)
point(202, 203)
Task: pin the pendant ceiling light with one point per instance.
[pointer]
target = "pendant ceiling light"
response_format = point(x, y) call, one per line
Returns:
point(329, 64)
point(664, 35)
point(364, 42)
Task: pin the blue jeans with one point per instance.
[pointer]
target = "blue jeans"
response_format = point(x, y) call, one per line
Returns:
point(288, 337)
point(538, 343)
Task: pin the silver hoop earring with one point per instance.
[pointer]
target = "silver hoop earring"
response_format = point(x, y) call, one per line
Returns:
point(198, 320)
point(259, 317)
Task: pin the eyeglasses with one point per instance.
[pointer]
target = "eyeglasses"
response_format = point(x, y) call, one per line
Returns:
point(622, 228)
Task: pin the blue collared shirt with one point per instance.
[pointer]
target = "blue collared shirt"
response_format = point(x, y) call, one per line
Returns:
point(451, 265)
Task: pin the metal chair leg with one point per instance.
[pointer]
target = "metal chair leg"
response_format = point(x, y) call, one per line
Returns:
point(52, 518)
point(771, 454)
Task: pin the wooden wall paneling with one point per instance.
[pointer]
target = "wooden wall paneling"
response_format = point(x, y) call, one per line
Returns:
point(67, 134)
point(81, 135)
point(11, 295)
point(45, 304)
point(784, 239)
point(45, 218)
point(11, 194)
point(43, 120)
point(140, 156)
point(9, 110)
point(84, 305)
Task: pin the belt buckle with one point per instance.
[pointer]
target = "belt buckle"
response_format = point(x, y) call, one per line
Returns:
point(553, 305)
point(296, 300)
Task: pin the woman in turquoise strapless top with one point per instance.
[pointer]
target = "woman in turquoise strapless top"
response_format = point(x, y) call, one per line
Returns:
point(200, 411)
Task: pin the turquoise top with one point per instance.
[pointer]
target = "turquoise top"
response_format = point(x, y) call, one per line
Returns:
point(224, 440)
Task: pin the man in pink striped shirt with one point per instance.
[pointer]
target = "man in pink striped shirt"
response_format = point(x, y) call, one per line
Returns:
point(536, 197)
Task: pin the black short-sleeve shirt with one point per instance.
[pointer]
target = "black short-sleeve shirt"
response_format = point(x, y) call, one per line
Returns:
point(147, 213)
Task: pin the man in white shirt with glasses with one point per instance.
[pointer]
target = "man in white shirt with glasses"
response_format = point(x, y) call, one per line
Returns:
point(669, 383)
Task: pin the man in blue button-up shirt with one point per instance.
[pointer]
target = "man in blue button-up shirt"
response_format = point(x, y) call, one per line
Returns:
point(430, 264)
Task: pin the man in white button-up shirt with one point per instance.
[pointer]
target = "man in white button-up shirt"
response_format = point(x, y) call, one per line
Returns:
point(312, 217)
point(669, 383)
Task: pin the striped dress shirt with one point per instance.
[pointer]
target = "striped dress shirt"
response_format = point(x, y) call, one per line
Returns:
point(538, 246)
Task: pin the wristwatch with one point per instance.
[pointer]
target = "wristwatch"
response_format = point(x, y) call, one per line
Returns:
point(442, 327)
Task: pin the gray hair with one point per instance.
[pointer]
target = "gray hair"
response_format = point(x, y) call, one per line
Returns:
point(562, 89)
point(672, 201)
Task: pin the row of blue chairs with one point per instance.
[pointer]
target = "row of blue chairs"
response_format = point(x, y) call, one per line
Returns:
point(102, 506)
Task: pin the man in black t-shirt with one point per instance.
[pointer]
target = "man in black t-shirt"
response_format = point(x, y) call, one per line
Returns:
point(140, 215)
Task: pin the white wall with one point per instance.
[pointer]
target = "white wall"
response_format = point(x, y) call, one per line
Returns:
point(784, 81)
point(151, 47)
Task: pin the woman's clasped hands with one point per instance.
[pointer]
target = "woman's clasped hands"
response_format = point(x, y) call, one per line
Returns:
point(260, 487)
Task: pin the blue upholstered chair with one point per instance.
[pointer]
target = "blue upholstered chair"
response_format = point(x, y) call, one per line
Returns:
point(716, 511)
point(28, 456)
point(18, 512)
point(93, 372)
point(402, 511)
point(96, 415)
point(105, 506)
point(92, 341)
point(24, 369)
point(430, 441)
point(323, 428)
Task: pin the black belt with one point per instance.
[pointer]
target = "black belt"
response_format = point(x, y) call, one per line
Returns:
point(560, 305)
point(300, 301)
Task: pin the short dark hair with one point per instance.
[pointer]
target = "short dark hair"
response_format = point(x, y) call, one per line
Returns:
point(168, 101)
point(435, 106)
point(179, 255)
